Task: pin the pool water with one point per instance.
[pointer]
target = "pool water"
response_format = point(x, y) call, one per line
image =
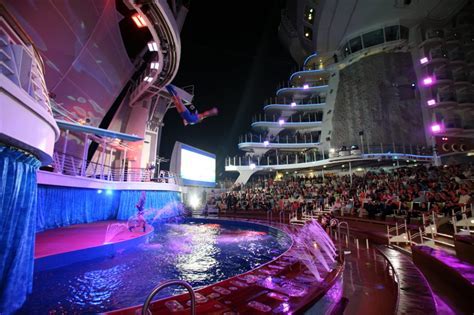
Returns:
point(198, 251)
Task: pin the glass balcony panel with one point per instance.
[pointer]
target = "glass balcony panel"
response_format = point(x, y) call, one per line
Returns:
point(373, 38)
point(392, 33)
point(356, 44)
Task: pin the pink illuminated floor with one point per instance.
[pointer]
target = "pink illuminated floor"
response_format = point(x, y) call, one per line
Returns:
point(79, 236)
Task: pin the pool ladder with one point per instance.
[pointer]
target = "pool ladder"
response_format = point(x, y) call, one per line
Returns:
point(158, 288)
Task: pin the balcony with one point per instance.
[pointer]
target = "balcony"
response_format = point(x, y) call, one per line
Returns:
point(26, 119)
point(306, 89)
point(308, 121)
point(311, 158)
point(309, 72)
point(248, 142)
point(297, 107)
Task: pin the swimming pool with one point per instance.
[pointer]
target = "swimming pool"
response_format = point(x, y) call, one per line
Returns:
point(198, 251)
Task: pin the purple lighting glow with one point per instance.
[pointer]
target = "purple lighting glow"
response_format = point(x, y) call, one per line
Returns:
point(428, 81)
point(423, 60)
point(436, 128)
point(431, 102)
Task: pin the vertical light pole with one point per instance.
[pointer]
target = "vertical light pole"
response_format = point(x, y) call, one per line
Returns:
point(435, 128)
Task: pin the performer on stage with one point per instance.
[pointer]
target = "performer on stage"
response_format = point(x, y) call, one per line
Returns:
point(140, 221)
point(188, 116)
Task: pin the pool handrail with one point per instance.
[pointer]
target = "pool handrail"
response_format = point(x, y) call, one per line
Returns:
point(146, 311)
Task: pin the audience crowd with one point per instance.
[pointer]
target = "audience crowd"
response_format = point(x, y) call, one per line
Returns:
point(407, 191)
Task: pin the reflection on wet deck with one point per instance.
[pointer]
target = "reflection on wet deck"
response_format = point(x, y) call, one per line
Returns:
point(369, 283)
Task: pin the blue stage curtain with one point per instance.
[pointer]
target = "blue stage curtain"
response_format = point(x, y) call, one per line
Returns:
point(17, 226)
point(63, 206)
point(154, 199)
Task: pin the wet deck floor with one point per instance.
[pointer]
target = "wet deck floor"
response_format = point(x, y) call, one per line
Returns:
point(369, 283)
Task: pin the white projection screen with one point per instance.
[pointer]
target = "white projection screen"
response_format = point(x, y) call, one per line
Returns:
point(197, 167)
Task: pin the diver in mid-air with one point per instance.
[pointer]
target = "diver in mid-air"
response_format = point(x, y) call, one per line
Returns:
point(189, 117)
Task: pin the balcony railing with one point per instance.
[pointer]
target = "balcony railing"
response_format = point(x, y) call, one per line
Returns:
point(302, 139)
point(373, 151)
point(287, 101)
point(316, 118)
point(20, 62)
point(306, 85)
point(73, 166)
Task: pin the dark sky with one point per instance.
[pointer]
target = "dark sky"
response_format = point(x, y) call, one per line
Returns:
point(232, 55)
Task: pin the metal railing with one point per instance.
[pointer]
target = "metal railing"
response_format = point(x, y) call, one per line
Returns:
point(310, 117)
point(397, 153)
point(20, 62)
point(287, 101)
point(74, 166)
point(306, 85)
point(158, 288)
point(339, 225)
point(305, 138)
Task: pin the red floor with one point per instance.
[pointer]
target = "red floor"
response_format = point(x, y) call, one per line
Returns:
point(80, 236)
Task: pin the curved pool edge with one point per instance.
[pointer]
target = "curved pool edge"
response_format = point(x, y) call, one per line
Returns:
point(314, 300)
point(101, 250)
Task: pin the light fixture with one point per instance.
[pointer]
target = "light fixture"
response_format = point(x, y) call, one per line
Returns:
point(152, 46)
point(139, 20)
point(444, 138)
point(194, 201)
point(155, 65)
point(306, 34)
point(293, 104)
point(431, 102)
point(252, 166)
point(266, 143)
point(281, 122)
point(306, 86)
point(148, 79)
point(332, 150)
point(423, 60)
point(428, 81)
point(436, 128)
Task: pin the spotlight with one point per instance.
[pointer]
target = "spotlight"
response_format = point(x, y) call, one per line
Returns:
point(99, 191)
point(431, 102)
point(281, 122)
point(266, 143)
point(152, 46)
point(306, 86)
point(155, 65)
point(293, 104)
point(332, 150)
point(148, 79)
point(194, 201)
point(139, 20)
point(108, 192)
point(423, 60)
point(252, 166)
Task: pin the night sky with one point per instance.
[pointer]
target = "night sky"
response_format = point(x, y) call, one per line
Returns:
point(234, 59)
